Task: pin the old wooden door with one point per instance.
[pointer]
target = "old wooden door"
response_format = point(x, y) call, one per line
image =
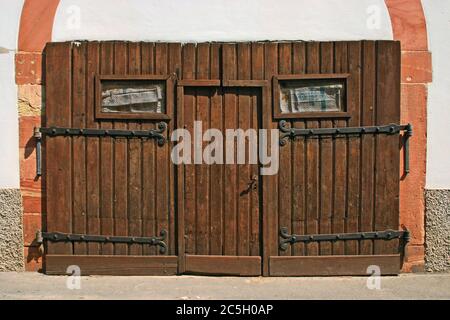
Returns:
point(121, 206)
point(220, 201)
point(336, 184)
point(105, 185)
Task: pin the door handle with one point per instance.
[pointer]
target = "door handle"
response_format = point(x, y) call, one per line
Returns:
point(253, 184)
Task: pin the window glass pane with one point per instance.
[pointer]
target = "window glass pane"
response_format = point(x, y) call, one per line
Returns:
point(312, 96)
point(133, 96)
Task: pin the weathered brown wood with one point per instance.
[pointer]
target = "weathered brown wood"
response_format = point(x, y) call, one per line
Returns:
point(340, 162)
point(230, 178)
point(188, 114)
point(130, 187)
point(181, 191)
point(312, 159)
point(326, 159)
point(134, 163)
point(59, 149)
point(333, 265)
point(120, 161)
point(174, 64)
point(324, 74)
point(163, 163)
point(79, 144)
point(285, 173)
point(298, 157)
point(107, 160)
point(368, 143)
point(113, 265)
point(387, 156)
point(244, 83)
point(149, 161)
point(354, 164)
point(223, 265)
point(199, 83)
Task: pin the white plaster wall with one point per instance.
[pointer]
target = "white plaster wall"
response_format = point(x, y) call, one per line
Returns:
point(221, 20)
point(9, 126)
point(437, 14)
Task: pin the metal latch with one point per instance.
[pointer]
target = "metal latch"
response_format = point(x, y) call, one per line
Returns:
point(71, 132)
point(292, 133)
point(290, 239)
point(70, 237)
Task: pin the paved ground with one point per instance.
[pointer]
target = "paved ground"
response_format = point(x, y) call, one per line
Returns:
point(38, 286)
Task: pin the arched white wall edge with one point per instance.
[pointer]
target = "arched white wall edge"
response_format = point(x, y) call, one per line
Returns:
point(437, 14)
point(221, 20)
point(9, 124)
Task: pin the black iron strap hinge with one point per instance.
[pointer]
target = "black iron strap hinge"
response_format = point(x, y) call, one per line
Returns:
point(69, 237)
point(292, 133)
point(157, 134)
point(289, 239)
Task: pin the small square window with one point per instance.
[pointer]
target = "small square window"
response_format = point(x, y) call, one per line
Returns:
point(310, 96)
point(133, 97)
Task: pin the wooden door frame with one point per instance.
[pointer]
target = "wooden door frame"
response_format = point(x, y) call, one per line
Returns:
point(264, 85)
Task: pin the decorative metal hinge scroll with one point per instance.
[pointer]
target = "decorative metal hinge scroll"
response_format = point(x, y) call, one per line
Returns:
point(157, 134)
point(292, 133)
point(289, 239)
point(69, 237)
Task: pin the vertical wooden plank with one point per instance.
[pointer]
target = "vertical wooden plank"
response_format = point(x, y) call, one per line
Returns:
point(326, 158)
point(257, 67)
point(202, 170)
point(216, 182)
point(270, 203)
point(354, 148)
point(244, 113)
point(79, 143)
point(368, 143)
point(162, 162)
point(106, 159)
point(285, 191)
point(134, 162)
point(387, 158)
point(230, 178)
point(312, 159)
point(120, 160)
point(92, 151)
point(217, 170)
point(181, 225)
point(59, 151)
point(173, 68)
point(148, 161)
point(215, 63)
point(299, 161)
point(340, 160)
point(189, 58)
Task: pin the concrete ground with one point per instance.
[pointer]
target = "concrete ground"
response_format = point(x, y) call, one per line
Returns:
point(38, 286)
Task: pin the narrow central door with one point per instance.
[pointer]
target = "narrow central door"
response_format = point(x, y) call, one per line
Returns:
point(219, 202)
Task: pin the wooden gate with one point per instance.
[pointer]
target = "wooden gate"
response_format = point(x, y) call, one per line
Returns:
point(119, 205)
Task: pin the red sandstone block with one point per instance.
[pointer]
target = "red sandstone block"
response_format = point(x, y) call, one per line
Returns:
point(412, 202)
point(408, 23)
point(32, 203)
point(28, 164)
point(35, 186)
point(31, 224)
point(416, 67)
point(28, 68)
point(26, 130)
point(36, 24)
point(415, 253)
point(33, 258)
